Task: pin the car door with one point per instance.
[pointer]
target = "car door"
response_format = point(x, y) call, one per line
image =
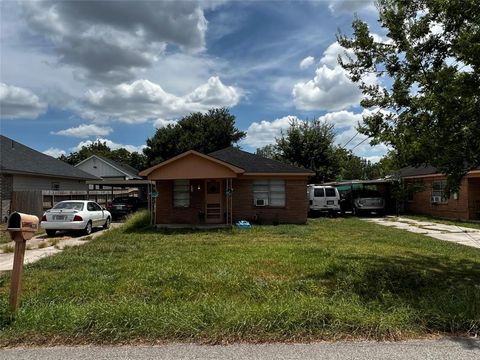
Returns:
point(93, 213)
point(100, 214)
point(331, 200)
point(318, 198)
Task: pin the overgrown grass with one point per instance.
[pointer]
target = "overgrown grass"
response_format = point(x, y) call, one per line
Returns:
point(330, 279)
point(468, 224)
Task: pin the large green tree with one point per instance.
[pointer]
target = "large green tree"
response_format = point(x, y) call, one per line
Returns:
point(122, 156)
point(426, 104)
point(309, 144)
point(203, 132)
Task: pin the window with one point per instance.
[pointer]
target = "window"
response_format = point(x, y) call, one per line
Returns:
point(91, 206)
point(181, 193)
point(273, 191)
point(319, 192)
point(438, 191)
point(55, 186)
point(330, 192)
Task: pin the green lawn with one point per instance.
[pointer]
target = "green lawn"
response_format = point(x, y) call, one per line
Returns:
point(330, 279)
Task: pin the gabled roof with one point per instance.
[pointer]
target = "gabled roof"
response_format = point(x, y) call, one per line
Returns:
point(256, 164)
point(414, 171)
point(233, 168)
point(123, 168)
point(20, 159)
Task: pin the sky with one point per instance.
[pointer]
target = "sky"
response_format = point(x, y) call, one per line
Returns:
point(72, 72)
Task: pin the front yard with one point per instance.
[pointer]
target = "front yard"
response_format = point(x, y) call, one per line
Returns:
point(330, 279)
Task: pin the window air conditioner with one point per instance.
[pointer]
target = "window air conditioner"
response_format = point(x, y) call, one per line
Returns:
point(436, 199)
point(261, 202)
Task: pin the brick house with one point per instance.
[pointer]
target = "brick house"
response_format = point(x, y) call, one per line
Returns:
point(226, 186)
point(431, 199)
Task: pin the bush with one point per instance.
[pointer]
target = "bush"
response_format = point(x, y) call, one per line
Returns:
point(138, 221)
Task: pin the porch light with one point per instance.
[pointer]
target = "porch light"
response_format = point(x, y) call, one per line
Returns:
point(198, 187)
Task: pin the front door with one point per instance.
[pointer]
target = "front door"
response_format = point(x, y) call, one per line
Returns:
point(213, 202)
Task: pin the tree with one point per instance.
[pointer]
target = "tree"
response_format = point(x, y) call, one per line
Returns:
point(309, 144)
point(122, 156)
point(428, 104)
point(205, 133)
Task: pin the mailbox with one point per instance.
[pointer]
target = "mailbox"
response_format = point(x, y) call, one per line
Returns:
point(22, 226)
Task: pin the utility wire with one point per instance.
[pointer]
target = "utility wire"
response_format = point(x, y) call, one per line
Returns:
point(354, 136)
point(360, 143)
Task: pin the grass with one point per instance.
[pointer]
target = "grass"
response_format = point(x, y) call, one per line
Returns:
point(4, 236)
point(331, 279)
point(468, 224)
point(8, 248)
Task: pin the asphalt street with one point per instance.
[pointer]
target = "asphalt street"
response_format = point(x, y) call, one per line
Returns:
point(452, 349)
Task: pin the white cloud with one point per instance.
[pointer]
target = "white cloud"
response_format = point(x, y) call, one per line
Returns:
point(330, 89)
point(350, 6)
point(264, 132)
point(342, 119)
point(160, 123)
point(19, 103)
point(112, 145)
point(144, 100)
point(84, 131)
point(54, 152)
point(111, 40)
point(307, 62)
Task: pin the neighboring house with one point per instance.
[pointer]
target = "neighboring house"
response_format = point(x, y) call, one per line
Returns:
point(226, 186)
point(108, 169)
point(25, 169)
point(430, 199)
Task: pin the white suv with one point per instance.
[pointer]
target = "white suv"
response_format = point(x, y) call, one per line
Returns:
point(323, 198)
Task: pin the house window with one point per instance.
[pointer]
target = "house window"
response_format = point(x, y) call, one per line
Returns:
point(271, 191)
point(438, 191)
point(55, 186)
point(181, 193)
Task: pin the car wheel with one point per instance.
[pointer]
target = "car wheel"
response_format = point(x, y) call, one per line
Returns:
point(88, 228)
point(107, 223)
point(355, 211)
point(51, 232)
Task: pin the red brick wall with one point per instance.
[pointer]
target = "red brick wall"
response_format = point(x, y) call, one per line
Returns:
point(454, 209)
point(295, 211)
point(167, 214)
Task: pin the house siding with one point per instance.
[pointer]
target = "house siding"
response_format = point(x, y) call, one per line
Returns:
point(294, 212)
point(454, 209)
point(6, 188)
point(30, 183)
point(100, 169)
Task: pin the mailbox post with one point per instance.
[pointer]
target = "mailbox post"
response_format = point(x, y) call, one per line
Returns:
point(21, 227)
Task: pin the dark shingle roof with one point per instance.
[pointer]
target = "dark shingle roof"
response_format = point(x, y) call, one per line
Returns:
point(131, 171)
point(419, 171)
point(18, 158)
point(252, 163)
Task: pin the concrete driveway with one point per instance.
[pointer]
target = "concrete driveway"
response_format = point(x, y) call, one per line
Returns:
point(42, 246)
point(453, 233)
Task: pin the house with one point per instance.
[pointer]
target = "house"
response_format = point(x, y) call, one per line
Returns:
point(428, 194)
point(24, 169)
point(107, 169)
point(226, 186)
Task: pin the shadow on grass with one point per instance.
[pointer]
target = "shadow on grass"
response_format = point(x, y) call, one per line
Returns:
point(444, 293)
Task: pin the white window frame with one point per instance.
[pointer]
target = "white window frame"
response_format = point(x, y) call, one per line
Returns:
point(272, 190)
point(438, 190)
point(181, 193)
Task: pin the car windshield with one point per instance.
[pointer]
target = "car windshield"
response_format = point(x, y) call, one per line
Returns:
point(120, 200)
point(69, 205)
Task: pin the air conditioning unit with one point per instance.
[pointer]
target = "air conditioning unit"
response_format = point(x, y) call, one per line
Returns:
point(261, 202)
point(436, 199)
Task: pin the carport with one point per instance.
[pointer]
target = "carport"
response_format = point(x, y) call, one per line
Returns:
point(383, 186)
point(119, 187)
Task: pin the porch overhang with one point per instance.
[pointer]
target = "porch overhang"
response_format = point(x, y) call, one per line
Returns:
point(192, 165)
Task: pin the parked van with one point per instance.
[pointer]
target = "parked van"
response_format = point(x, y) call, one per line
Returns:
point(323, 198)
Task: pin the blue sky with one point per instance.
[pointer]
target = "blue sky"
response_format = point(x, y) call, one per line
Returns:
point(76, 71)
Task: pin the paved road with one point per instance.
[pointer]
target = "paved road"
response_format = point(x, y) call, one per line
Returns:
point(453, 233)
point(452, 349)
